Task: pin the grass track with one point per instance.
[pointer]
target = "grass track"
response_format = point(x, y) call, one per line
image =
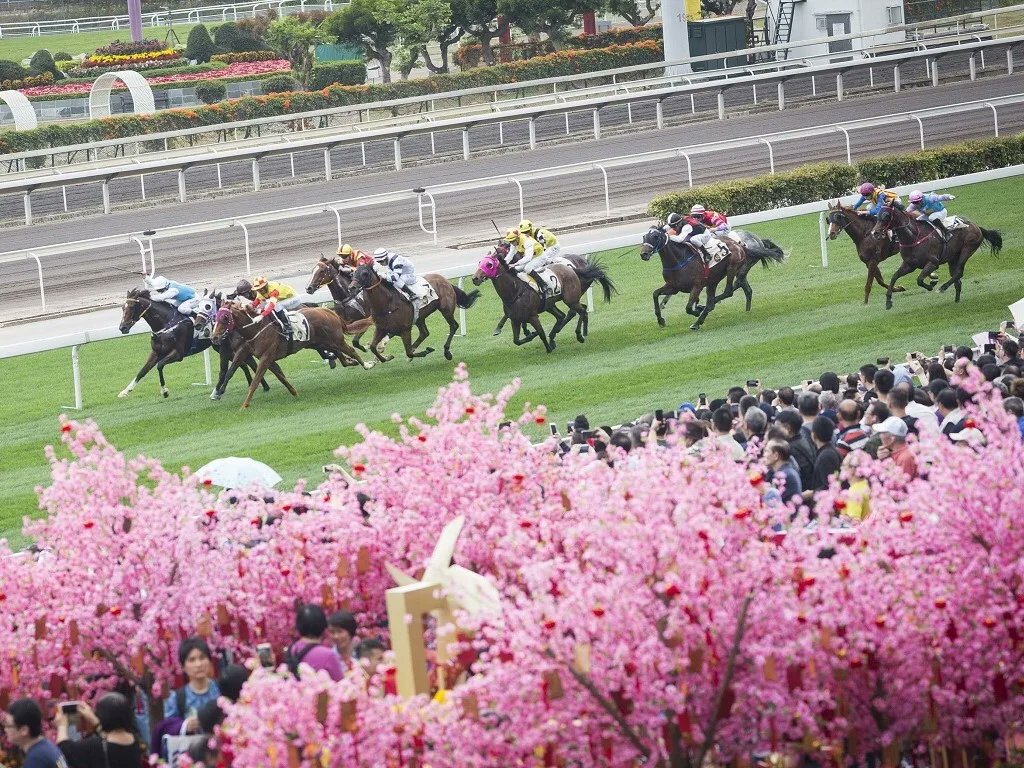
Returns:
point(805, 319)
point(22, 47)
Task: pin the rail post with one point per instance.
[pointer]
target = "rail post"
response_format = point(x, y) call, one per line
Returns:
point(823, 233)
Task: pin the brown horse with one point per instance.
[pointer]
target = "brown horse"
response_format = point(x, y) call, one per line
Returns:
point(922, 248)
point(394, 315)
point(684, 271)
point(348, 302)
point(523, 304)
point(870, 250)
point(265, 341)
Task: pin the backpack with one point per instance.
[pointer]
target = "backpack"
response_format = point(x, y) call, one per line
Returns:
point(179, 699)
point(294, 659)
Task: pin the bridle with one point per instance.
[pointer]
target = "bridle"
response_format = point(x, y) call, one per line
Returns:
point(905, 226)
point(137, 300)
point(679, 263)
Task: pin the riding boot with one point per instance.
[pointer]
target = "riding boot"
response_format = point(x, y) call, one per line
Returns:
point(282, 317)
point(407, 289)
point(542, 286)
point(941, 229)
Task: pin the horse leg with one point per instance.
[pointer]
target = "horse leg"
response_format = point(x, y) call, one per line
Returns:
point(549, 342)
point(748, 292)
point(706, 311)
point(453, 327)
point(375, 345)
point(905, 268)
point(564, 320)
point(500, 325)
point(665, 292)
point(410, 349)
point(357, 343)
point(693, 299)
point(171, 357)
point(261, 369)
point(956, 272)
point(421, 326)
point(581, 323)
point(872, 274)
point(146, 368)
point(276, 370)
point(344, 351)
point(929, 268)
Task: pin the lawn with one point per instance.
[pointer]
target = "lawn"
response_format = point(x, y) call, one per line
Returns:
point(18, 48)
point(805, 320)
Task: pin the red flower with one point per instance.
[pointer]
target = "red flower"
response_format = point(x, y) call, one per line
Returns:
point(357, 468)
point(539, 419)
point(549, 624)
point(470, 410)
point(421, 438)
point(65, 428)
point(211, 513)
point(906, 517)
point(525, 524)
point(742, 514)
point(940, 603)
point(598, 611)
point(672, 590)
point(207, 482)
point(756, 478)
point(88, 524)
point(115, 611)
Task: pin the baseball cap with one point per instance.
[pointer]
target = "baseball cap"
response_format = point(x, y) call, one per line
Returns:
point(970, 435)
point(893, 426)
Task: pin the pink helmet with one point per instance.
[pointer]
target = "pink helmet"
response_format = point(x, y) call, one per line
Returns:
point(866, 188)
point(916, 196)
point(489, 266)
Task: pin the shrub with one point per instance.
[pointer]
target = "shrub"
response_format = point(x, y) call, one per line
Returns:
point(234, 58)
point(471, 55)
point(62, 56)
point(340, 72)
point(211, 91)
point(10, 70)
point(199, 46)
point(28, 81)
point(42, 62)
point(279, 84)
point(224, 35)
point(127, 47)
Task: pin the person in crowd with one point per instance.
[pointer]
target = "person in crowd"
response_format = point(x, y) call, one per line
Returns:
point(827, 460)
point(114, 743)
point(783, 475)
point(694, 434)
point(23, 727)
point(808, 406)
point(800, 447)
point(897, 400)
point(786, 398)
point(341, 626)
point(851, 436)
point(867, 381)
point(829, 382)
point(768, 398)
point(184, 703)
point(1008, 353)
point(622, 439)
point(893, 432)
point(1015, 407)
point(370, 654)
point(210, 716)
point(948, 408)
point(311, 624)
point(204, 752)
point(755, 425)
point(884, 381)
point(232, 678)
point(721, 423)
point(828, 401)
point(398, 271)
point(969, 437)
point(877, 196)
point(875, 414)
point(930, 207)
point(935, 371)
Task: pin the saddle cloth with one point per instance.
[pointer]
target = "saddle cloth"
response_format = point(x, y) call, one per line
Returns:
point(716, 250)
point(300, 327)
point(955, 222)
point(426, 293)
point(552, 285)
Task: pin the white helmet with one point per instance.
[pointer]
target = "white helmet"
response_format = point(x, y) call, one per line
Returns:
point(158, 283)
point(697, 209)
point(381, 253)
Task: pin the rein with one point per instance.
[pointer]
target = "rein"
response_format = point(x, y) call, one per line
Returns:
point(907, 226)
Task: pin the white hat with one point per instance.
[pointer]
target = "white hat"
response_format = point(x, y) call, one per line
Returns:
point(697, 208)
point(894, 425)
point(157, 283)
point(970, 435)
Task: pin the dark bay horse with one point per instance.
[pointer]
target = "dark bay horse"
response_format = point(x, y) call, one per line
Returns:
point(922, 248)
point(523, 305)
point(684, 271)
point(173, 340)
point(348, 301)
point(871, 250)
point(265, 341)
point(394, 315)
point(227, 346)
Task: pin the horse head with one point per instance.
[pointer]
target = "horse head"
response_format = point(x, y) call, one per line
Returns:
point(324, 272)
point(653, 242)
point(205, 309)
point(884, 223)
point(366, 276)
point(838, 220)
point(488, 268)
point(223, 323)
point(136, 304)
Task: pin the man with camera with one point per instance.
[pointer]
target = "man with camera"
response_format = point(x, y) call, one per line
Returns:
point(23, 727)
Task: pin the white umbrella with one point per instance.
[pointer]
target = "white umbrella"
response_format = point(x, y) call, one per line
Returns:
point(235, 472)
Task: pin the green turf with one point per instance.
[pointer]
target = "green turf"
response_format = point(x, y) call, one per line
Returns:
point(805, 319)
point(22, 47)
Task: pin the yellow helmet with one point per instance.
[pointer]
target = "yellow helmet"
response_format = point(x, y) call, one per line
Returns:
point(259, 283)
point(345, 250)
point(526, 226)
point(511, 236)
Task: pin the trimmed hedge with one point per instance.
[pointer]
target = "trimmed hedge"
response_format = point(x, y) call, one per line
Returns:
point(829, 181)
point(234, 58)
point(211, 91)
point(29, 81)
point(279, 84)
point(340, 72)
point(471, 55)
point(199, 46)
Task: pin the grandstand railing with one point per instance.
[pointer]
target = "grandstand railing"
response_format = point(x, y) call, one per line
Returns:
point(26, 183)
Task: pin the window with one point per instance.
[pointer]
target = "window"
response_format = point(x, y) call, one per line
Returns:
point(895, 14)
point(821, 23)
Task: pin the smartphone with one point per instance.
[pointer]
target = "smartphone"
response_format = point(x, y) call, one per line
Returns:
point(702, 399)
point(265, 654)
point(753, 383)
point(70, 708)
point(505, 425)
point(570, 427)
point(989, 349)
point(554, 429)
point(993, 335)
point(808, 383)
point(659, 415)
point(1007, 325)
point(882, 361)
point(947, 349)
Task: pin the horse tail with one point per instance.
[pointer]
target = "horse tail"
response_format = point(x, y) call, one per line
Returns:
point(463, 299)
point(593, 272)
point(994, 238)
point(770, 254)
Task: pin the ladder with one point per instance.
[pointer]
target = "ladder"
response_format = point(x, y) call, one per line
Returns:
point(784, 23)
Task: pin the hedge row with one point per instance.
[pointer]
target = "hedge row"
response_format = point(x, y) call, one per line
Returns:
point(340, 72)
point(27, 82)
point(159, 86)
point(829, 181)
point(252, 107)
point(471, 55)
point(234, 58)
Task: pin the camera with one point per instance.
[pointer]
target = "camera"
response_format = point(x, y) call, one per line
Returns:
point(70, 708)
point(702, 399)
point(265, 654)
point(753, 382)
point(882, 361)
point(554, 429)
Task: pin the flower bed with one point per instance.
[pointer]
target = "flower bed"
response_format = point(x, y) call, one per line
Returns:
point(234, 58)
point(130, 59)
point(27, 82)
point(91, 72)
point(241, 70)
point(127, 47)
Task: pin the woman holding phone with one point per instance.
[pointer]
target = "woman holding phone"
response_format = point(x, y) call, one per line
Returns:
point(113, 743)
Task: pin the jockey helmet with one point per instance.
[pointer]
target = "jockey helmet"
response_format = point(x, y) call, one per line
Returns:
point(259, 283)
point(345, 250)
point(364, 259)
point(674, 220)
point(511, 235)
point(381, 253)
point(526, 226)
point(158, 283)
point(697, 209)
point(866, 188)
point(243, 287)
point(916, 196)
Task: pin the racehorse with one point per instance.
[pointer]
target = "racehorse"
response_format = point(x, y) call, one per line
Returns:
point(870, 250)
point(922, 248)
point(522, 304)
point(173, 340)
point(394, 315)
point(684, 271)
point(348, 303)
point(264, 341)
point(226, 346)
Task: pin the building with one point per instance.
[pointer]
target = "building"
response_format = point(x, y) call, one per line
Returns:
point(814, 19)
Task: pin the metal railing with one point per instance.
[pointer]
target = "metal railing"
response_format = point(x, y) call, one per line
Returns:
point(164, 17)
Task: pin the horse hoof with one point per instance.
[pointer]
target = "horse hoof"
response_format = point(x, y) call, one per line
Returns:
point(447, 354)
point(165, 392)
point(333, 363)
point(661, 321)
point(368, 365)
point(497, 332)
point(888, 305)
point(428, 350)
point(898, 289)
point(695, 327)
point(123, 394)
point(943, 289)
point(216, 396)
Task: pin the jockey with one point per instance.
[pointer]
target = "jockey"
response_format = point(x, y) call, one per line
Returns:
point(530, 257)
point(877, 196)
point(398, 271)
point(688, 230)
point(168, 291)
point(277, 298)
point(348, 258)
point(543, 236)
point(710, 219)
point(929, 207)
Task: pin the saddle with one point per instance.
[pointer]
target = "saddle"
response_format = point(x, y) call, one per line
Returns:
point(953, 223)
point(552, 284)
point(716, 251)
point(300, 327)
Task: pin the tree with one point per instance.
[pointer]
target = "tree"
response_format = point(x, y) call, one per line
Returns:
point(634, 12)
point(371, 24)
point(480, 19)
point(552, 17)
point(296, 41)
point(423, 21)
point(42, 62)
point(199, 45)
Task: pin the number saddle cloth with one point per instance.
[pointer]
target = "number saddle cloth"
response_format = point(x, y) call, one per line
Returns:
point(955, 222)
point(715, 251)
point(552, 283)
